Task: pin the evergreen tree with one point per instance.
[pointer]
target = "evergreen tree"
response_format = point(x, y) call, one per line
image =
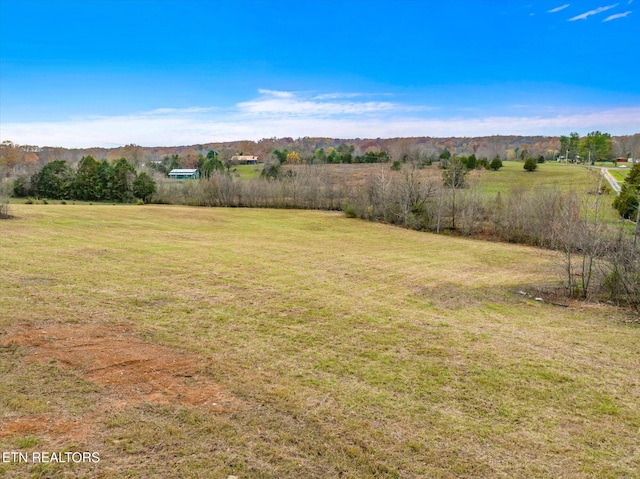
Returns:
point(144, 187)
point(496, 164)
point(530, 164)
point(627, 202)
point(54, 181)
point(86, 184)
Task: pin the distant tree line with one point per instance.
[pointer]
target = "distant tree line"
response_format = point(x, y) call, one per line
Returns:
point(343, 153)
point(596, 146)
point(92, 181)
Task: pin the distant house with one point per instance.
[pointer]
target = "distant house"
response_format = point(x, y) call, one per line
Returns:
point(622, 159)
point(245, 160)
point(184, 174)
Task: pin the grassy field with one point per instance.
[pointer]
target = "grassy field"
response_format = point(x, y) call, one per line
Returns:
point(247, 172)
point(619, 175)
point(562, 176)
point(341, 348)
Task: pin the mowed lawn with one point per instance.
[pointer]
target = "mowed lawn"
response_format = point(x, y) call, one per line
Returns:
point(349, 349)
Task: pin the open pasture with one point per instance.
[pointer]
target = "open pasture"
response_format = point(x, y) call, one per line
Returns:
point(512, 175)
point(547, 175)
point(198, 342)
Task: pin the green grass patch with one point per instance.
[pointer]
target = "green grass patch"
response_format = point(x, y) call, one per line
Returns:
point(247, 172)
point(562, 176)
point(619, 175)
point(352, 349)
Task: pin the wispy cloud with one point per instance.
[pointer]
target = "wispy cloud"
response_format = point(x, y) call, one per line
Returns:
point(336, 96)
point(289, 104)
point(276, 93)
point(172, 111)
point(616, 16)
point(557, 9)
point(585, 15)
point(294, 115)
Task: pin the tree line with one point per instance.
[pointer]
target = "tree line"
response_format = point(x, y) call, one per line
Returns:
point(93, 180)
point(594, 147)
point(24, 159)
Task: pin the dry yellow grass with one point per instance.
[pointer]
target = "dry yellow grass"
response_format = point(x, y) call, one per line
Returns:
point(344, 348)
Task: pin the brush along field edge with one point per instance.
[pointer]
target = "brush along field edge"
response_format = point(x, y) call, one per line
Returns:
point(330, 347)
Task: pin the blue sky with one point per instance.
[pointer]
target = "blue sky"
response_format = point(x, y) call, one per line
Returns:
point(112, 72)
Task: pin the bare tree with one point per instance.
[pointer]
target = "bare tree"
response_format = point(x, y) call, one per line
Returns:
point(454, 178)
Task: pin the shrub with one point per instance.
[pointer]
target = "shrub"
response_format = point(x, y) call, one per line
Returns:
point(396, 166)
point(21, 187)
point(496, 164)
point(627, 202)
point(350, 211)
point(472, 162)
point(530, 164)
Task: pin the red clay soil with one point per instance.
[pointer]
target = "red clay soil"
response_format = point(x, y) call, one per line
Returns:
point(129, 369)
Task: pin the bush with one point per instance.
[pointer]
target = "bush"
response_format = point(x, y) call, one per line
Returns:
point(627, 202)
point(350, 211)
point(396, 166)
point(472, 162)
point(21, 187)
point(530, 164)
point(496, 164)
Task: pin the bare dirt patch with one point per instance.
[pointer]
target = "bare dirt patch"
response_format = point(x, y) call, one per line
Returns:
point(132, 369)
point(63, 429)
point(128, 369)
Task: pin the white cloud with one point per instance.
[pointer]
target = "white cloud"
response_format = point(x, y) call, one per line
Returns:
point(557, 9)
point(336, 96)
point(331, 104)
point(293, 115)
point(585, 15)
point(617, 15)
point(276, 93)
point(171, 111)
